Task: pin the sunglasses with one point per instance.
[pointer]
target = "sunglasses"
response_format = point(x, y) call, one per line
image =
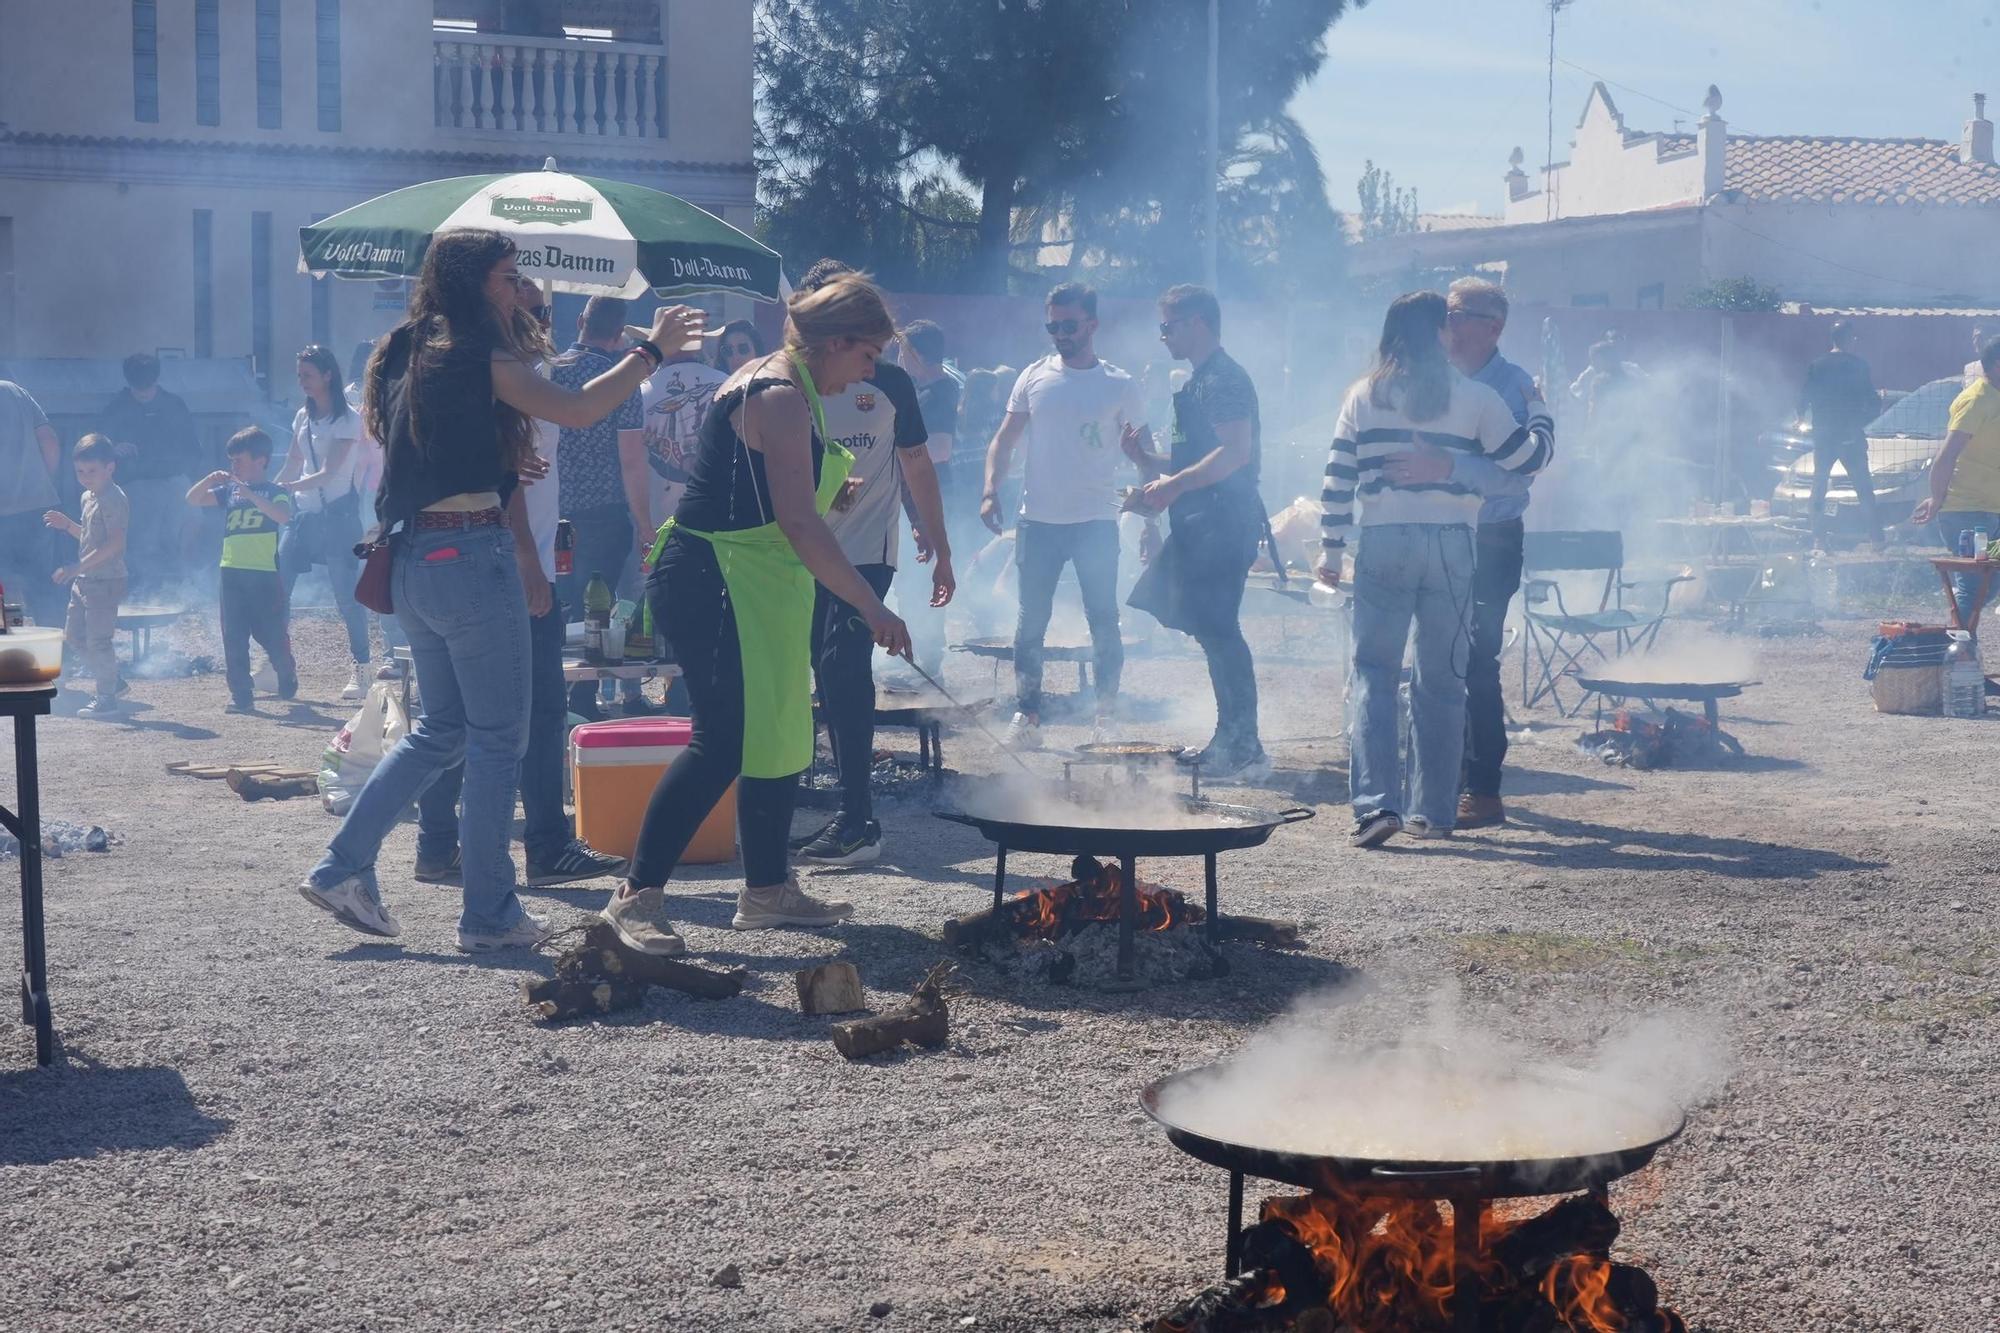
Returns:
point(1062, 328)
point(1168, 325)
point(739, 349)
point(1460, 316)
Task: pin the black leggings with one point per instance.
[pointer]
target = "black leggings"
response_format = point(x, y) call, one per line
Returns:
point(689, 598)
point(844, 667)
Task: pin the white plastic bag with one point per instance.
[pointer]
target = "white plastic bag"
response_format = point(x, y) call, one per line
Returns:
point(368, 735)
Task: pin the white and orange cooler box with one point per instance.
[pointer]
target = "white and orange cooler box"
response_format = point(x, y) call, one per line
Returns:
point(616, 766)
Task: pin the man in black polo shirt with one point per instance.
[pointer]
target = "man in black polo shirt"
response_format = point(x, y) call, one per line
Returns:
point(1207, 484)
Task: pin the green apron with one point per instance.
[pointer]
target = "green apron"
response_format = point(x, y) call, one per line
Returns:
point(772, 592)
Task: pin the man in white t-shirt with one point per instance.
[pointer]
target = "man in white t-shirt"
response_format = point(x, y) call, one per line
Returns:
point(674, 400)
point(1074, 411)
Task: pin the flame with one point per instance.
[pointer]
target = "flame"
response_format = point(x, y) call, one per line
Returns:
point(1579, 1290)
point(1053, 911)
point(1388, 1265)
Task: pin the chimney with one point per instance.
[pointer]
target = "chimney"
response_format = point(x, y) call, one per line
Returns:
point(1977, 145)
point(1517, 179)
point(1712, 143)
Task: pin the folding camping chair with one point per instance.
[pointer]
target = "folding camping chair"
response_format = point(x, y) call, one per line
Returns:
point(1557, 641)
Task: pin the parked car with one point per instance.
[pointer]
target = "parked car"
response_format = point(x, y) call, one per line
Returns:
point(1902, 444)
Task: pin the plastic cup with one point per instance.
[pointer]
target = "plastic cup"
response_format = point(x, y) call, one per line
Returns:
point(614, 643)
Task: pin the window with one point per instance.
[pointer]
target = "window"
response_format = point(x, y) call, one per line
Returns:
point(326, 39)
point(204, 282)
point(207, 63)
point(146, 61)
point(1653, 296)
point(1590, 299)
point(270, 68)
point(260, 298)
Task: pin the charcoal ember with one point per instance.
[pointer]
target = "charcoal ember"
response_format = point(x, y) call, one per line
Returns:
point(96, 840)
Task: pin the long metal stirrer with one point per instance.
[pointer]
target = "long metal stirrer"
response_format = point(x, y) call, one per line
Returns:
point(971, 716)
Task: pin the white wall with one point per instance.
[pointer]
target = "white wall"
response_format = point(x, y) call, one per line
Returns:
point(1858, 254)
point(102, 232)
point(1605, 174)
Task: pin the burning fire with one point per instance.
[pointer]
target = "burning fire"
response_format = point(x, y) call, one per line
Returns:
point(1051, 912)
point(1336, 1261)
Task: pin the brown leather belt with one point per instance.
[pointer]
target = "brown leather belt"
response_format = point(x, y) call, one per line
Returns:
point(448, 518)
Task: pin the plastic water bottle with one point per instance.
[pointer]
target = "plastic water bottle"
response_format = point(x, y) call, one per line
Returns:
point(1964, 681)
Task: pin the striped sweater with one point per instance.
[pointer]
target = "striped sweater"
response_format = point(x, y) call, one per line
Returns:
point(1477, 422)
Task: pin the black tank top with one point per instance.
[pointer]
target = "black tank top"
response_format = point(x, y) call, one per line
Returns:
point(727, 488)
point(460, 451)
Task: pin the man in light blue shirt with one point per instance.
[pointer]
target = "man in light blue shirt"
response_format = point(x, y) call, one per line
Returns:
point(1476, 316)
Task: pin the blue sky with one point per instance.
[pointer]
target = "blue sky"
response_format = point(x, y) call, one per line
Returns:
point(1438, 92)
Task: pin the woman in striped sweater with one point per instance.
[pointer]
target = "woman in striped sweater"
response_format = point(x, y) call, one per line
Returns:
point(1387, 474)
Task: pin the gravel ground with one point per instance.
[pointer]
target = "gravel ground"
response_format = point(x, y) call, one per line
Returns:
point(264, 1122)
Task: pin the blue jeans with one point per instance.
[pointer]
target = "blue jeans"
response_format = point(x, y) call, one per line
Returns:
point(545, 830)
point(1965, 587)
point(458, 596)
point(1040, 552)
point(328, 538)
point(1406, 572)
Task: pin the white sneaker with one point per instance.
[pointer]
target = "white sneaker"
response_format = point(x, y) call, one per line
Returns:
point(354, 689)
point(1416, 826)
point(526, 933)
point(786, 905)
point(355, 902)
point(1023, 733)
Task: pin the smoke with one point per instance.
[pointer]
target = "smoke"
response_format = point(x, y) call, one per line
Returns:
point(1694, 658)
point(1397, 1069)
point(1095, 798)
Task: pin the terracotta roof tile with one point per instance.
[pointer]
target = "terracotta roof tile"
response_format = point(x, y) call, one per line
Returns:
point(1824, 169)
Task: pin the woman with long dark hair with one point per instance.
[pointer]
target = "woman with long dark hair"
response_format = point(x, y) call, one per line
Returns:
point(321, 473)
point(732, 584)
point(737, 346)
point(1413, 561)
point(453, 396)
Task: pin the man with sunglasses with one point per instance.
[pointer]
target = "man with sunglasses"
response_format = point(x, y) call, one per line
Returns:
point(1207, 483)
point(1475, 317)
point(1074, 410)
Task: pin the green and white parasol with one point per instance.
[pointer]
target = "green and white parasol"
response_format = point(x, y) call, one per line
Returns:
point(577, 234)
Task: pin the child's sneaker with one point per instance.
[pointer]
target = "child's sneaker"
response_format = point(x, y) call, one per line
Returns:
point(102, 706)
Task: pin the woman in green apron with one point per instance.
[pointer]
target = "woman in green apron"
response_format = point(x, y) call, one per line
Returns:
point(732, 585)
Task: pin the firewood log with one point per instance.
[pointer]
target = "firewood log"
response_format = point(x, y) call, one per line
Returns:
point(831, 988)
point(964, 932)
point(557, 998)
point(1526, 1252)
point(924, 1020)
point(603, 954)
point(1261, 930)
